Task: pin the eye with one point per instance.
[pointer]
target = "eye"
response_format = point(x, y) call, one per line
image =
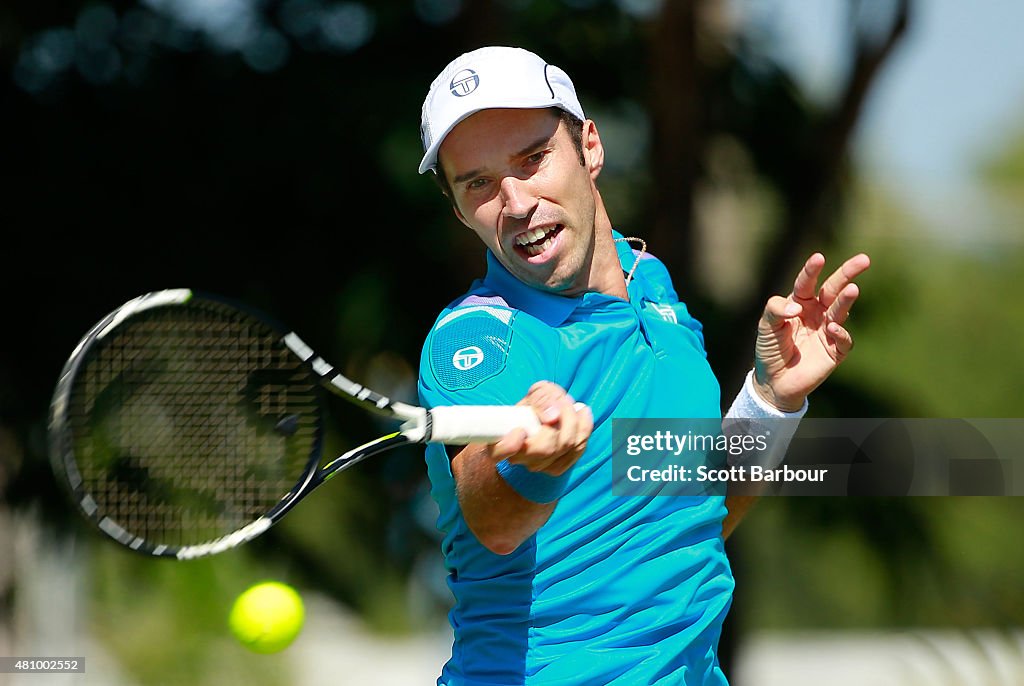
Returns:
point(476, 184)
point(536, 157)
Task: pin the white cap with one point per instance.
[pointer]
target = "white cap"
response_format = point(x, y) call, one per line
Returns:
point(486, 78)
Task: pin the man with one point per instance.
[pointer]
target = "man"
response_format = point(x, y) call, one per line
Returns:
point(556, 581)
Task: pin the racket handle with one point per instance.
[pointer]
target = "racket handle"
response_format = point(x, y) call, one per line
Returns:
point(464, 424)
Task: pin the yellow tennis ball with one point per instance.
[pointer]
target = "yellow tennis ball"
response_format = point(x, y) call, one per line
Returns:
point(267, 617)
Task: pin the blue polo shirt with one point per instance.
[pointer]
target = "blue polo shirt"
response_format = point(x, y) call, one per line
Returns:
point(610, 590)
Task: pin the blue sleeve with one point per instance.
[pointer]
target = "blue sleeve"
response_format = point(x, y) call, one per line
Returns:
point(480, 355)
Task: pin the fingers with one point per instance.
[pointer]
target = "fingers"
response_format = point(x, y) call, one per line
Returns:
point(543, 397)
point(547, 399)
point(841, 339)
point(511, 444)
point(806, 285)
point(839, 310)
point(557, 436)
point(777, 310)
point(573, 441)
point(842, 277)
point(562, 437)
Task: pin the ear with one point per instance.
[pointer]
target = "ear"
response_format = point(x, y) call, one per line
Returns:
point(458, 215)
point(593, 150)
point(447, 192)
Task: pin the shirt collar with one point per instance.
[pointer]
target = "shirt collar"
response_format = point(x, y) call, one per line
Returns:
point(550, 308)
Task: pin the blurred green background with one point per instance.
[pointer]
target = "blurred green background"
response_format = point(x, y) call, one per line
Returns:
point(266, 150)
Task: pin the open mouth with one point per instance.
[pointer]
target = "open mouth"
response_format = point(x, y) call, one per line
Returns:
point(537, 241)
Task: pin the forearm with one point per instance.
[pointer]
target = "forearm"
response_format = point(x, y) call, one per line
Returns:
point(500, 518)
point(737, 506)
point(508, 490)
point(750, 413)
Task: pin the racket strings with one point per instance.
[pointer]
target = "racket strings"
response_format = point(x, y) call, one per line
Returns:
point(177, 424)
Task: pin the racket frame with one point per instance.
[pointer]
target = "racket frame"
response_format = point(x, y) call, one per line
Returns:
point(454, 425)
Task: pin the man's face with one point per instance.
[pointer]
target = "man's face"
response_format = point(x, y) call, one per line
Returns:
point(517, 182)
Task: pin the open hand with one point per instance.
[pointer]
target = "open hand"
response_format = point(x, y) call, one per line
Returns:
point(801, 339)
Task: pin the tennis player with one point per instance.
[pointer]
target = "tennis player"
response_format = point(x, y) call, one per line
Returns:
point(556, 581)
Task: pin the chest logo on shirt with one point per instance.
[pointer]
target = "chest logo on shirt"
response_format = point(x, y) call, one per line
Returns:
point(467, 358)
point(666, 312)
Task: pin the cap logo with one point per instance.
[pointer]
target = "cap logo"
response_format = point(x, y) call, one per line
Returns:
point(464, 83)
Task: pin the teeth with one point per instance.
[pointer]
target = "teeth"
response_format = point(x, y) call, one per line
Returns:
point(533, 250)
point(532, 235)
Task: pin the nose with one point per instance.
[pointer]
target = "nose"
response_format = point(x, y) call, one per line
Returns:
point(517, 197)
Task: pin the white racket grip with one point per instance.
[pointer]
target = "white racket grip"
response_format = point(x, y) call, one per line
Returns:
point(465, 424)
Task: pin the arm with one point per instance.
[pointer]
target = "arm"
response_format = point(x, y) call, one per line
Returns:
point(737, 506)
point(751, 414)
point(500, 518)
point(499, 515)
point(800, 342)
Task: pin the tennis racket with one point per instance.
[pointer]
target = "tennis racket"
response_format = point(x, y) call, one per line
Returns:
point(185, 425)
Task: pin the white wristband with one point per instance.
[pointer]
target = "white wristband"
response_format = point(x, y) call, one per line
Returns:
point(748, 416)
point(750, 405)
